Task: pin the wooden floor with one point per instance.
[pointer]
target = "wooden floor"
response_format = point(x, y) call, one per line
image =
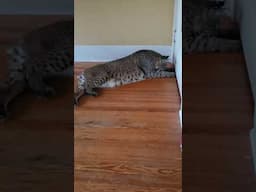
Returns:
point(128, 139)
point(217, 117)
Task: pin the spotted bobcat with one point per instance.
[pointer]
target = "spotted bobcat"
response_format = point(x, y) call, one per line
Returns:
point(36, 56)
point(141, 65)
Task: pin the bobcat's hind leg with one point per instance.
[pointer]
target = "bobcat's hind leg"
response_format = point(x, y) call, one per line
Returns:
point(77, 96)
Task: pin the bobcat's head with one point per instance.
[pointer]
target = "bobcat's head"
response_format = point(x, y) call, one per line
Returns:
point(151, 61)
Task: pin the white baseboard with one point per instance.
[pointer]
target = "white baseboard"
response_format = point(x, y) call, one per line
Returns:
point(102, 53)
point(253, 146)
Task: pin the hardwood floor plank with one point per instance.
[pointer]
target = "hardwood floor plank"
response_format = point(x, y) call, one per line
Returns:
point(126, 119)
point(148, 97)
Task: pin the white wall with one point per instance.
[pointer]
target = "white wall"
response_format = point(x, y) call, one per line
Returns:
point(177, 44)
point(246, 14)
point(36, 7)
point(177, 47)
point(117, 28)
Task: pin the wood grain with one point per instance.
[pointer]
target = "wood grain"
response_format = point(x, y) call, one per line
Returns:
point(127, 139)
point(217, 119)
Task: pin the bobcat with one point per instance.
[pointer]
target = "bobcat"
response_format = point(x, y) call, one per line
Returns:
point(141, 65)
point(39, 54)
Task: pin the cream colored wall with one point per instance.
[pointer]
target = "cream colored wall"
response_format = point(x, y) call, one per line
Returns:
point(123, 22)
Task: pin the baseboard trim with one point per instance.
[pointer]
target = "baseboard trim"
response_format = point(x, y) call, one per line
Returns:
point(253, 146)
point(102, 53)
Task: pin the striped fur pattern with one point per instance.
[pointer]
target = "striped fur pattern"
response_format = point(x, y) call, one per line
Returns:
point(39, 54)
point(200, 29)
point(141, 65)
